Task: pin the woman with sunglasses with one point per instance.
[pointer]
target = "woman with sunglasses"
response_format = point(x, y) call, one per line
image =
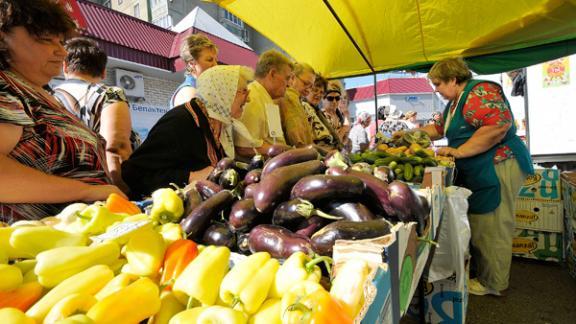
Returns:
point(330, 105)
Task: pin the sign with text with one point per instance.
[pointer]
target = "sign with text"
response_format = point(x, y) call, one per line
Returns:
point(145, 117)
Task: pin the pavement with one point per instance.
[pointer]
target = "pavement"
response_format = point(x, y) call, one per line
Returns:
point(540, 293)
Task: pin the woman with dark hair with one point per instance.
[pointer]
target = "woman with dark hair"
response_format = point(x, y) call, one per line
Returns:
point(47, 157)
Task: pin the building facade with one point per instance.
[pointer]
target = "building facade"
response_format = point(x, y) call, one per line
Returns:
point(168, 13)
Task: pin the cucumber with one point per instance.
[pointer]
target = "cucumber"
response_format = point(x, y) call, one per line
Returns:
point(408, 171)
point(418, 170)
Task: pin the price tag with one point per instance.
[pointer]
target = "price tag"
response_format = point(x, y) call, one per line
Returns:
point(120, 230)
point(274, 120)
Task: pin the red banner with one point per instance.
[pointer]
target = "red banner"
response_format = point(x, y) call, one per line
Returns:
point(71, 6)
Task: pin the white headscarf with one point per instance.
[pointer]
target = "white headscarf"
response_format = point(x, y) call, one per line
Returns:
point(217, 88)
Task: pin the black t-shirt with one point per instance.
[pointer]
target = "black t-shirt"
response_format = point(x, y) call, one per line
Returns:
point(174, 147)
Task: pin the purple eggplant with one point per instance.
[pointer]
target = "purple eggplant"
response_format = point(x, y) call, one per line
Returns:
point(323, 240)
point(253, 176)
point(249, 190)
point(291, 213)
point(229, 179)
point(404, 201)
point(256, 162)
point(352, 211)
point(384, 173)
point(207, 188)
point(242, 240)
point(310, 225)
point(244, 216)
point(278, 241)
point(293, 156)
point(191, 200)
point(374, 186)
point(318, 187)
point(277, 149)
point(214, 175)
point(275, 187)
point(198, 220)
point(322, 150)
point(225, 163)
point(219, 234)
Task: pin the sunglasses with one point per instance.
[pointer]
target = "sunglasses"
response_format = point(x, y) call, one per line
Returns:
point(330, 98)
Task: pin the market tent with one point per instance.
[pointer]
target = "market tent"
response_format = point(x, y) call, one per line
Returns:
point(342, 38)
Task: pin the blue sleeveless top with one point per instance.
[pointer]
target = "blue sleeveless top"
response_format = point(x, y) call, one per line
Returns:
point(190, 81)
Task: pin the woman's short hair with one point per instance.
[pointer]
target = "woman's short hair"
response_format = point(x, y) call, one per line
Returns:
point(38, 17)
point(451, 68)
point(193, 45)
point(85, 56)
point(271, 59)
point(300, 68)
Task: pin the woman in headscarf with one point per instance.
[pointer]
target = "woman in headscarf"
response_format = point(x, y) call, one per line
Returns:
point(358, 135)
point(188, 141)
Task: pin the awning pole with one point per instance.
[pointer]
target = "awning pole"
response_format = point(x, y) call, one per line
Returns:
point(376, 101)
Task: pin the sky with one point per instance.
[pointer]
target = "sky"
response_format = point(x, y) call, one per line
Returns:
point(350, 83)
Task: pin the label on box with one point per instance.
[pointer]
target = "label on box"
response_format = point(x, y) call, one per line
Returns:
point(546, 246)
point(543, 185)
point(540, 215)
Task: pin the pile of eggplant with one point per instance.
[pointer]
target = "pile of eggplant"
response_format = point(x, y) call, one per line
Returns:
point(297, 200)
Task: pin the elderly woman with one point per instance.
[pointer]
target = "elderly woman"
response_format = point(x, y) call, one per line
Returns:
point(188, 141)
point(199, 54)
point(491, 160)
point(47, 157)
point(358, 135)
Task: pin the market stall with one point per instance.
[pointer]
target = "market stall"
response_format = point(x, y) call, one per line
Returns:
point(211, 252)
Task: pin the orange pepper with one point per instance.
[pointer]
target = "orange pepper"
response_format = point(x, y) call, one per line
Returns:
point(317, 307)
point(21, 297)
point(178, 255)
point(118, 204)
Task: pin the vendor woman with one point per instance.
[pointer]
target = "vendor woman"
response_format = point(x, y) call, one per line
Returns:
point(491, 161)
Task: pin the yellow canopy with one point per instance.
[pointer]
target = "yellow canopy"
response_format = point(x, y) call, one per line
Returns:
point(400, 34)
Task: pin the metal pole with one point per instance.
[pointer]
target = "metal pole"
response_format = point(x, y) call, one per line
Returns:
point(376, 102)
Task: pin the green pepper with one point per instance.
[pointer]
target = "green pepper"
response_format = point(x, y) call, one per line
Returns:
point(167, 206)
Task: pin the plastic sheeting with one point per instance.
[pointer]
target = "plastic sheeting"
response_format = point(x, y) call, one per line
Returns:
point(412, 34)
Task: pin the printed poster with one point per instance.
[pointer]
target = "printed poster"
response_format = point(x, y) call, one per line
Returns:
point(556, 73)
point(144, 117)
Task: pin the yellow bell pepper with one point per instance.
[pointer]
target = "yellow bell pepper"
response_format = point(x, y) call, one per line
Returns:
point(132, 304)
point(68, 306)
point(188, 316)
point(89, 281)
point(76, 319)
point(55, 265)
point(221, 314)
point(30, 276)
point(94, 220)
point(298, 267)
point(145, 253)
point(171, 232)
point(246, 286)
point(202, 277)
point(167, 206)
point(3, 257)
point(33, 240)
point(169, 306)
point(10, 277)
point(9, 250)
point(26, 265)
point(14, 316)
point(297, 293)
point(269, 313)
point(120, 281)
point(348, 286)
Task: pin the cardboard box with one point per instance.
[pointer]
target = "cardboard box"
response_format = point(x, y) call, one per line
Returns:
point(540, 215)
point(546, 246)
point(543, 185)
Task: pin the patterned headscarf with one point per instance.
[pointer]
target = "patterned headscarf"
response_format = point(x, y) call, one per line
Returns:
point(217, 88)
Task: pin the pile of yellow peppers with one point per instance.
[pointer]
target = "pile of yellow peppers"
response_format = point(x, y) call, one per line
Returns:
point(92, 265)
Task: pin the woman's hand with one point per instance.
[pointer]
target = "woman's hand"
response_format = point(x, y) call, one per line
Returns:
point(449, 151)
point(101, 192)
